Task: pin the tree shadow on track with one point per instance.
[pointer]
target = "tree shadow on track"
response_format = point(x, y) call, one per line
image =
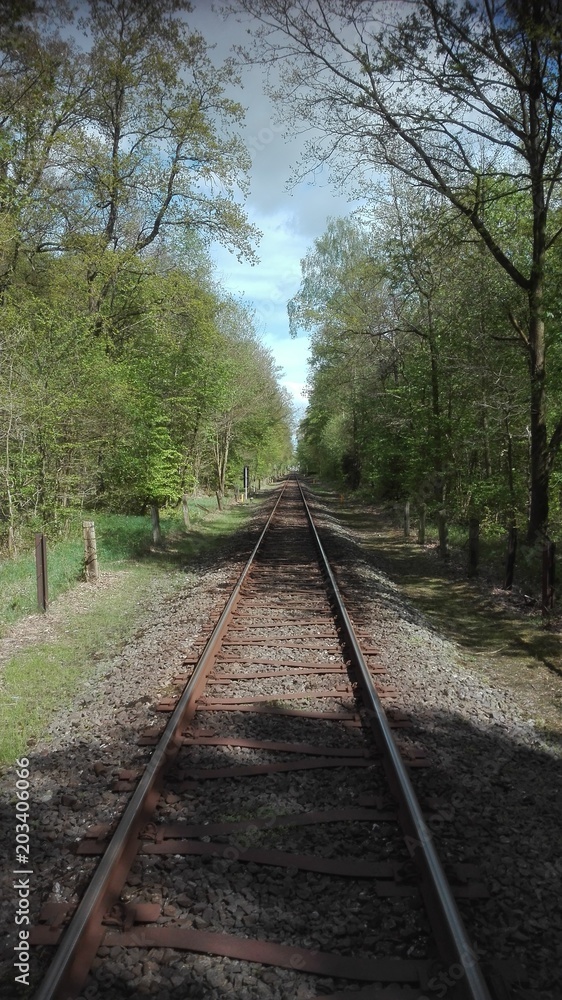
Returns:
point(489, 799)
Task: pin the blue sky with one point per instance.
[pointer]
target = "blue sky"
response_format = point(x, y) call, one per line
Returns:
point(289, 220)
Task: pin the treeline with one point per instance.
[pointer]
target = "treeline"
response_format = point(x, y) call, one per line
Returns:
point(463, 102)
point(127, 375)
point(419, 380)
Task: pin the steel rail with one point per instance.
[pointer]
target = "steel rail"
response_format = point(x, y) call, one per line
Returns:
point(453, 941)
point(70, 966)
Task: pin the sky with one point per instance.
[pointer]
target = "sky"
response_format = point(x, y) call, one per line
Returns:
point(289, 220)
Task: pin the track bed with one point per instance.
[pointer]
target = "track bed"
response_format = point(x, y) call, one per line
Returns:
point(263, 846)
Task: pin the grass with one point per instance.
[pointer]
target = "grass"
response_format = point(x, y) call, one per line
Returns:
point(42, 679)
point(120, 538)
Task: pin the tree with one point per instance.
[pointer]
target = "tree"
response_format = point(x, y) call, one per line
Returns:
point(417, 385)
point(42, 90)
point(166, 150)
point(112, 151)
point(459, 97)
point(249, 406)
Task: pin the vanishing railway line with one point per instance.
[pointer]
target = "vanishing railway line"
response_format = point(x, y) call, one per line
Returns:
point(278, 790)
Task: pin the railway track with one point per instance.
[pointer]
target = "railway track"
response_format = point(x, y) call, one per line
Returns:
point(274, 828)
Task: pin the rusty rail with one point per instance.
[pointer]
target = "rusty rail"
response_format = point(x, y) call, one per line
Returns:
point(453, 941)
point(70, 966)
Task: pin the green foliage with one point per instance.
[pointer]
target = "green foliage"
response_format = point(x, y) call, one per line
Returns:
point(125, 379)
point(418, 378)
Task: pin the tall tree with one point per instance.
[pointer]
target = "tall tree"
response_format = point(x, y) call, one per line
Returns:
point(42, 89)
point(459, 97)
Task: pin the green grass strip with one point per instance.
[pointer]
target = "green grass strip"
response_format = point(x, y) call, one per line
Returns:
point(42, 679)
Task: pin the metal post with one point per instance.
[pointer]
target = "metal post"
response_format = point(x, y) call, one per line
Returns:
point(246, 478)
point(41, 568)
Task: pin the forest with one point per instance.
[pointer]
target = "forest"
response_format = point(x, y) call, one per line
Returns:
point(418, 382)
point(434, 309)
point(128, 376)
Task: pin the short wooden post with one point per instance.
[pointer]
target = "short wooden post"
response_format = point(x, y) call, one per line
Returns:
point(443, 534)
point(473, 546)
point(548, 563)
point(219, 502)
point(185, 511)
point(155, 520)
point(421, 527)
point(407, 519)
point(41, 570)
point(91, 568)
point(510, 558)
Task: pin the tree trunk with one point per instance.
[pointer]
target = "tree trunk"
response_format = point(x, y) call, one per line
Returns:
point(443, 534)
point(421, 529)
point(538, 508)
point(439, 480)
point(473, 546)
point(510, 558)
point(486, 440)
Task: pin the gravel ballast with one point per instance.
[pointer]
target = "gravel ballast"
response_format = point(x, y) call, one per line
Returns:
point(491, 791)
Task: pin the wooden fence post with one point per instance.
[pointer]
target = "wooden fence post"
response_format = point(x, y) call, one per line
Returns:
point(407, 519)
point(421, 527)
point(443, 534)
point(41, 570)
point(510, 558)
point(155, 519)
point(90, 551)
point(473, 546)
